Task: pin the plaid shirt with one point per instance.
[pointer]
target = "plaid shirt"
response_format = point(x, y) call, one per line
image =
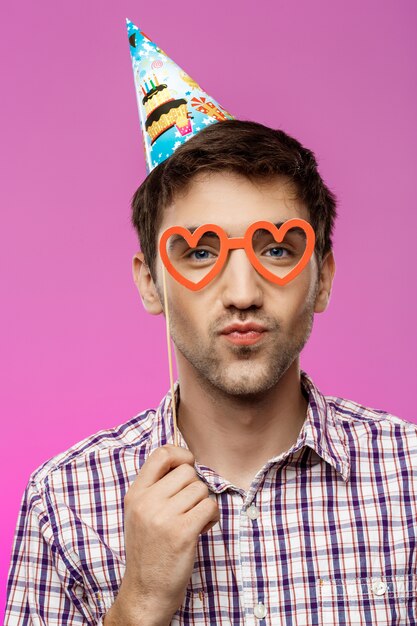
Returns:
point(326, 533)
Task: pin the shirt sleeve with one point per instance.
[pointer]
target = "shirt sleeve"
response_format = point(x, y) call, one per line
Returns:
point(42, 589)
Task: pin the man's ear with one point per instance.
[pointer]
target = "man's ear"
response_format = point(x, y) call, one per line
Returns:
point(146, 286)
point(328, 268)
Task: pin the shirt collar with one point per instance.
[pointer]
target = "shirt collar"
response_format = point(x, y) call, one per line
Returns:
point(320, 432)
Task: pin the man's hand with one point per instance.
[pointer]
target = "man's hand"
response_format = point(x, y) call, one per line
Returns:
point(166, 509)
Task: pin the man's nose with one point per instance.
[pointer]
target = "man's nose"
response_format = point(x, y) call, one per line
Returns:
point(240, 282)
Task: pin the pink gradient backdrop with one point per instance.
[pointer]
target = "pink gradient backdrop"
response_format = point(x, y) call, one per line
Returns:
point(79, 352)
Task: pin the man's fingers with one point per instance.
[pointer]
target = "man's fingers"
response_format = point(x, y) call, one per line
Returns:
point(160, 462)
point(203, 516)
point(187, 497)
point(176, 480)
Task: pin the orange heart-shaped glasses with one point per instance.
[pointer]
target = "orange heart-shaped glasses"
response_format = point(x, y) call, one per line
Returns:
point(233, 243)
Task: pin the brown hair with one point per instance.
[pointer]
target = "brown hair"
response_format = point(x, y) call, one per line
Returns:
point(243, 147)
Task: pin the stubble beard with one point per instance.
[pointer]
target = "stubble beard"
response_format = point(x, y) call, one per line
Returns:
point(249, 371)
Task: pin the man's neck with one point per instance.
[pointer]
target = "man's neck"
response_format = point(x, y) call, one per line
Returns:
point(235, 436)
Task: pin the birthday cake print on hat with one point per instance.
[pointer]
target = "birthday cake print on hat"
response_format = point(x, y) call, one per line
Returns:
point(172, 106)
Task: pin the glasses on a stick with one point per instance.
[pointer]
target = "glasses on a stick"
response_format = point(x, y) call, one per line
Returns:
point(279, 252)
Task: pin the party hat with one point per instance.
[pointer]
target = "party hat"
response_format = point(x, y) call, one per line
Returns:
point(172, 106)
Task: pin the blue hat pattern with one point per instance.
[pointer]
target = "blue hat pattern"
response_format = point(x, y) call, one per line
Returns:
point(172, 106)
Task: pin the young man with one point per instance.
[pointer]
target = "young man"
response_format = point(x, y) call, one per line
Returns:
point(280, 505)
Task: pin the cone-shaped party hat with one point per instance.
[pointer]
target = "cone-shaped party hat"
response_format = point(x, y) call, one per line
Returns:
point(172, 106)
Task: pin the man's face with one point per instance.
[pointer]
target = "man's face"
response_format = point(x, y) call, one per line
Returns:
point(238, 294)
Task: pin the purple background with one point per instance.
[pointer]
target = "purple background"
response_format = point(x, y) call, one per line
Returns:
point(79, 352)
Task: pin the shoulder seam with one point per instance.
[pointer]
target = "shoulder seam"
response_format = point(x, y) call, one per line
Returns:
point(364, 413)
point(49, 466)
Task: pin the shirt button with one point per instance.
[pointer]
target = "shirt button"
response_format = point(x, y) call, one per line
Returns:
point(252, 512)
point(379, 587)
point(259, 610)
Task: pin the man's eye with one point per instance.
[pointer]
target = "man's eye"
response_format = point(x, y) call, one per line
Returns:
point(277, 252)
point(199, 255)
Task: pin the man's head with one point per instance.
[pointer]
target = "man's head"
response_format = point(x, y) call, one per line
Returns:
point(246, 148)
point(232, 174)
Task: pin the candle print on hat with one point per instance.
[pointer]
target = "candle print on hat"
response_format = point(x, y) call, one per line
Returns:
point(172, 106)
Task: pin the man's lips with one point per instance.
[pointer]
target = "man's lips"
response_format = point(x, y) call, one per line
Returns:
point(244, 334)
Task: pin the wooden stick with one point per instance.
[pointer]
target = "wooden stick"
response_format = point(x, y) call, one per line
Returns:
point(174, 408)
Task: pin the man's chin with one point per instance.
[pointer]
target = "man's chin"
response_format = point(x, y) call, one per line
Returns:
point(244, 380)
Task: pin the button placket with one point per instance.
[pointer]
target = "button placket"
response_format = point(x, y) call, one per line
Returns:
point(253, 604)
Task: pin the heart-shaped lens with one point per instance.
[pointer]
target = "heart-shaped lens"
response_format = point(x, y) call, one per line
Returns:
point(280, 254)
point(279, 258)
point(194, 259)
